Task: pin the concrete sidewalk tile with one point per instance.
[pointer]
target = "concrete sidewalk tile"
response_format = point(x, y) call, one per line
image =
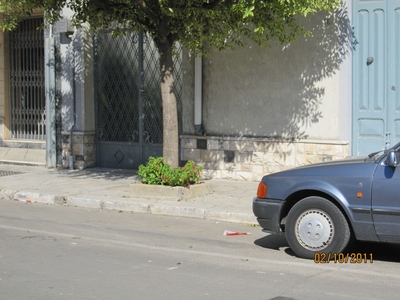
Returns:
point(35, 156)
point(3, 152)
point(15, 154)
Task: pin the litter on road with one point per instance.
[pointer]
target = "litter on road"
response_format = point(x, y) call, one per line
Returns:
point(230, 233)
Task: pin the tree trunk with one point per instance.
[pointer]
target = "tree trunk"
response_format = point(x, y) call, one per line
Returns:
point(169, 104)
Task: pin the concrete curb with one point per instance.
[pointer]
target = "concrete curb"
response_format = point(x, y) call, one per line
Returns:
point(83, 202)
point(140, 190)
point(7, 194)
point(190, 212)
point(136, 207)
point(34, 197)
point(129, 206)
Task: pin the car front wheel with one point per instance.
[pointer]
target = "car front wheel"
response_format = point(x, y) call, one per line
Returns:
point(315, 224)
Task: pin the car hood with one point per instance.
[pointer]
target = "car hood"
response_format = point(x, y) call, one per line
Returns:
point(357, 166)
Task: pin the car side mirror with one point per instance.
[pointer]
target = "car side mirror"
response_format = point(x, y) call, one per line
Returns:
point(393, 158)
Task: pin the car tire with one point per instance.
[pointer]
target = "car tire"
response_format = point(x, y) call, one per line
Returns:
point(316, 225)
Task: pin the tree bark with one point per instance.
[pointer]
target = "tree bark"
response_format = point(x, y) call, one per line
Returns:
point(169, 104)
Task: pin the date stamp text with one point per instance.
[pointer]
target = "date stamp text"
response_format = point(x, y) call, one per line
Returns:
point(343, 258)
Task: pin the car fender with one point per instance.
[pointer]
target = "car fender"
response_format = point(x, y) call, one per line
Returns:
point(362, 224)
point(322, 187)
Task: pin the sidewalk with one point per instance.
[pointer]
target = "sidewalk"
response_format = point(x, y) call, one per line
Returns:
point(98, 188)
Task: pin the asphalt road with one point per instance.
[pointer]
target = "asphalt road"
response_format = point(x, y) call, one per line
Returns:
point(56, 252)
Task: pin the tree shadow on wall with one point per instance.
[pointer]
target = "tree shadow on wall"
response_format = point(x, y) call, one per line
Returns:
point(277, 92)
point(71, 68)
point(331, 42)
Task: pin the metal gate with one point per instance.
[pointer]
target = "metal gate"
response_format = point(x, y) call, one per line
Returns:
point(129, 126)
point(376, 75)
point(27, 81)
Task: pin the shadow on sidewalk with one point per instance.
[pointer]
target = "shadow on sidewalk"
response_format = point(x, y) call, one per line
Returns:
point(98, 173)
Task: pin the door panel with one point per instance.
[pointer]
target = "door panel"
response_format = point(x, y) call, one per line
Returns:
point(376, 121)
point(394, 71)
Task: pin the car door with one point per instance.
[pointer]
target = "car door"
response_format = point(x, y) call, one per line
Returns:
point(386, 203)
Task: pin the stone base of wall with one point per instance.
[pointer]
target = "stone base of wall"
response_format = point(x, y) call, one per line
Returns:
point(251, 158)
point(83, 149)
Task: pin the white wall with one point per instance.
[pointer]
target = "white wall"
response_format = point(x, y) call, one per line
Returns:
point(301, 90)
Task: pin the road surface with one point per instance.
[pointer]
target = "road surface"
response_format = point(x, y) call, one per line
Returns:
point(60, 252)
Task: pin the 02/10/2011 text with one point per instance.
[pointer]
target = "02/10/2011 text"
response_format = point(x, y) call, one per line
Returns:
point(342, 258)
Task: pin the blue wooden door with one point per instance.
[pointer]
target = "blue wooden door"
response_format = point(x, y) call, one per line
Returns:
point(376, 78)
point(393, 66)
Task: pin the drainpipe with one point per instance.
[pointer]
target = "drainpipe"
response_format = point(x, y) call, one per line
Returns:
point(198, 97)
point(71, 156)
point(50, 82)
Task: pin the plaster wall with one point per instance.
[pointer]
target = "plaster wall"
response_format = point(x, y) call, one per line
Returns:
point(77, 93)
point(2, 85)
point(85, 81)
point(3, 88)
point(269, 109)
point(77, 83)
point(297, 91)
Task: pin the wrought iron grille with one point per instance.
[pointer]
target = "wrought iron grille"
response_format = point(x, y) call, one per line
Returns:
point(27, 81)
point(152, 103)
point(178, 87)
point(118, 72)
point(117, 88)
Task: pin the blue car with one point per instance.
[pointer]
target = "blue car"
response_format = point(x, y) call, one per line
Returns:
point(321, 207)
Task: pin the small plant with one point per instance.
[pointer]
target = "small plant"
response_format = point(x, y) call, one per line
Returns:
point(159, 173)
point(152, 172)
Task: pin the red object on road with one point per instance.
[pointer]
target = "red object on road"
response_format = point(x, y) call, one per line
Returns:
point(230, 233)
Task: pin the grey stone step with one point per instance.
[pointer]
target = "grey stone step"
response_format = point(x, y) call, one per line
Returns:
point(27, 144)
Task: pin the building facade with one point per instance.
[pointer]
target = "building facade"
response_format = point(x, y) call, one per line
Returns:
point(243, 113)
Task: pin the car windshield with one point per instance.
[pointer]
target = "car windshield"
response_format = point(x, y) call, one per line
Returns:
point(378, 153)
point(375, 153)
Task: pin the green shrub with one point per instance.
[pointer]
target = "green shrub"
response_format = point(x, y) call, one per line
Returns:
point(152, 172)
point(158, 172)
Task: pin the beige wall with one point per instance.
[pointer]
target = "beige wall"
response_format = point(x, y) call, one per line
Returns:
point(291, 91)
point(301, 90)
